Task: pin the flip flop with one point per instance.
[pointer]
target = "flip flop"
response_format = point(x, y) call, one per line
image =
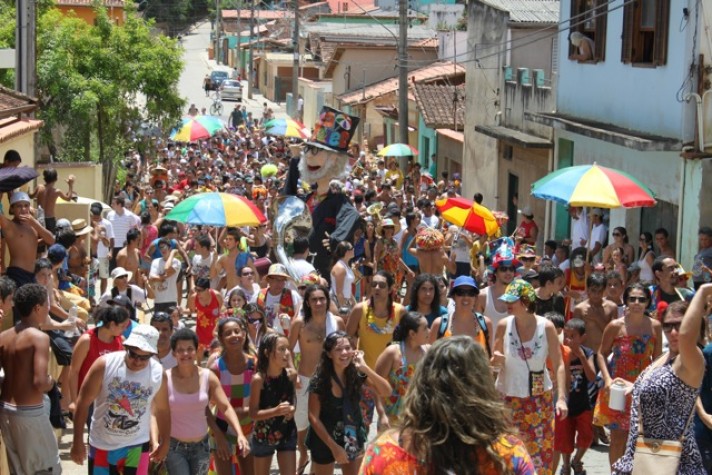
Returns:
point(300, 470)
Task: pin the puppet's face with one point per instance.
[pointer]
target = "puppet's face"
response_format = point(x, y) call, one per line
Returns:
point(319, 164)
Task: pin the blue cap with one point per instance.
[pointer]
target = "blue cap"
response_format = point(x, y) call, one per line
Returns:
point(463, 281)
point(56, 253)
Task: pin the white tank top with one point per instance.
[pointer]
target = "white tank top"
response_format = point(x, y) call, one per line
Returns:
point(513, 379)
point(348, 280)
point(491, 310)
point(646, 271)
point(122, 410)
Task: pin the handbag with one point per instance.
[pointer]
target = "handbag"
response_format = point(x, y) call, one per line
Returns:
point(658, 456)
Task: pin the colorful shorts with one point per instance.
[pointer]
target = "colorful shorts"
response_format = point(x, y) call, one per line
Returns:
point(131, 460)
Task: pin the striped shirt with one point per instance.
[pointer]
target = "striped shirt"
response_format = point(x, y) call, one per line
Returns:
point(122, 223)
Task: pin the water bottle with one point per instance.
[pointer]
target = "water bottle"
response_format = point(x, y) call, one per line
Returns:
point(617, 399)
point(72, 319)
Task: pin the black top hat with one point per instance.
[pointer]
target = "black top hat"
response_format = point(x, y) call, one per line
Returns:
point(333, 130)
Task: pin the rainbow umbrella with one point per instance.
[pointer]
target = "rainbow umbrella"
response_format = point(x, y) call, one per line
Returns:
point(196, 128)
point(468, 215)
point(286, 128)
point(398, 150)
point(217, 209)
point(593, 185)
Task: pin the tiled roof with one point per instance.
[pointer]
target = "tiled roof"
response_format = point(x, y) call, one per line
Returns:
point(452, 134)
point(528, 11)
point(90, 3)
point(260, 15)
point(432, 72)
point(436, 103)
point(13, 103)
point(9, 128)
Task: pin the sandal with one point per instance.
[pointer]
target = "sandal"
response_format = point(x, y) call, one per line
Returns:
point(578, 468)
point(565, 470)
point(302, 467)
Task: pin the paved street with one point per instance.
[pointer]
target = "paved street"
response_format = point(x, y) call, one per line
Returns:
point(197, 65)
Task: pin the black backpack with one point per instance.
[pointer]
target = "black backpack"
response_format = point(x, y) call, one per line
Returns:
point(445, 320)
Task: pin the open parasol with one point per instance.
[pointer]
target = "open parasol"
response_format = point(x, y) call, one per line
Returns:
point(12, 178)
point(217, 209)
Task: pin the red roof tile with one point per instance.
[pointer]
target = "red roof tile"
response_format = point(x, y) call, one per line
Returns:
point(90, 3)
point(442, 106)
point(432, 72)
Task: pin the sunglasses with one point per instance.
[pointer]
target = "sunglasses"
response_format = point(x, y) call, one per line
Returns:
point(248, 273)
point(464, 293)
point(135, 356)
point(617, 234)
point(528, 259)
point(669, 327)
point(637, 299)
point(379, 285)
point(253, 320)
point(507, 268)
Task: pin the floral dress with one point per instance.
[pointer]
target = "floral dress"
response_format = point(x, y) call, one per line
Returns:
point(531, 406)
point(631, 355)
point(399, 379)
point(389, 260)
point(386, 457)
point(665, 403)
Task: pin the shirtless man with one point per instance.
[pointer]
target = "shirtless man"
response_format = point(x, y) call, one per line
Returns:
point(47, 194)
point(596, 311)
point(309, 332)
point(129, 256)
point(488, 302)
point(78, 261)
point(24, 352)
point(21, 234)
point(226, 262)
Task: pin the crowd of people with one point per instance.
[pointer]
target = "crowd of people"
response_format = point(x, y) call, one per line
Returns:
point(192, 349)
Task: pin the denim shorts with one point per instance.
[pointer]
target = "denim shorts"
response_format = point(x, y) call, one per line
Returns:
point(188, 458)
point(261, 449)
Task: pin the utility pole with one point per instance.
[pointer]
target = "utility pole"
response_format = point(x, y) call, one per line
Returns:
point(217, 31)
point(26, 48)
point(250, 67)
point(403, 76)
point(295, 62)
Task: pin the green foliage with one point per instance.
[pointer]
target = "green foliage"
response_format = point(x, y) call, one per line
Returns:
point(94, 81)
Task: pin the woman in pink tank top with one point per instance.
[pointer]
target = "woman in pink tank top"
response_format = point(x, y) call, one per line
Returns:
point(190, 388)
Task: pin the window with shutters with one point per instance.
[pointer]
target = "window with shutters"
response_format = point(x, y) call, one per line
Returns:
point(589, 18)
point(645, 32)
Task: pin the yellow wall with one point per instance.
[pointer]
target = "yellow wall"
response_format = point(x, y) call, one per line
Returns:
point(88, 177)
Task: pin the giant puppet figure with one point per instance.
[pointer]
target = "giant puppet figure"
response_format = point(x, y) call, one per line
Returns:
point(324, 159)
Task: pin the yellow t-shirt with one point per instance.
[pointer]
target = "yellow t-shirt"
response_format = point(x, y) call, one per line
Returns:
point(375, 334)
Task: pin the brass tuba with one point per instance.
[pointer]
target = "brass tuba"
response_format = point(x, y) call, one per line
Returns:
point(374, 211)
point(291, 219)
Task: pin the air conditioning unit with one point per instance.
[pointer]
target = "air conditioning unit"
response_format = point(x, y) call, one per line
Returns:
point(508, 73)
point(523, 77)
point(539, 78)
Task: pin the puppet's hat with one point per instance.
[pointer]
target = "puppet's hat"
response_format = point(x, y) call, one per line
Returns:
point(333, 130)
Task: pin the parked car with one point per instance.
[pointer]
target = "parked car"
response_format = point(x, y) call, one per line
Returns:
point(231, 90)
point(216, 79)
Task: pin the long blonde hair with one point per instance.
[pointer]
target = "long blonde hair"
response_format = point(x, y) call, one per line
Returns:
point(452, 409)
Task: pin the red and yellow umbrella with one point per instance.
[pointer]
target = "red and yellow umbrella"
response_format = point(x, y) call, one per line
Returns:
point(468, 215)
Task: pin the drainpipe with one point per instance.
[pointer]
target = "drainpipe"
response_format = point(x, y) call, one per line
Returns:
point(700, 124)
point(681, 205)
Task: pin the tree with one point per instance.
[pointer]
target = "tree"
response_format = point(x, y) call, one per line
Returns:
point(95, 81)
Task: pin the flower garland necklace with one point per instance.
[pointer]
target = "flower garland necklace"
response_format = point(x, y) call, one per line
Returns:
point(371, 321)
